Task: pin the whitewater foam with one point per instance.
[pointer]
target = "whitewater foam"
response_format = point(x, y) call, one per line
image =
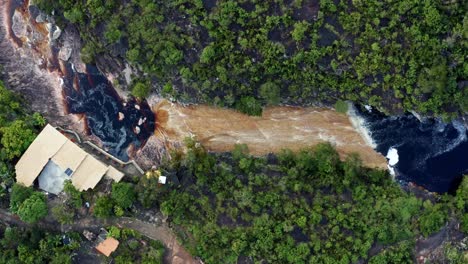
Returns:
point(392, 156)
point(360, 125)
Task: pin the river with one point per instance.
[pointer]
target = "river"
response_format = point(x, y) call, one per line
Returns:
point(431, 154)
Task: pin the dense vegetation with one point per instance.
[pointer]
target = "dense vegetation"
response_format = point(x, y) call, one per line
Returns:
point(395, 55)
point(17, 130)
point(19, 245)
point(131, 249)
point(308, 207)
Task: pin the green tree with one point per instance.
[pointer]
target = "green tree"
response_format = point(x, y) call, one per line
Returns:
point(19, 193)
point(74, 196)
point(123, 194)
point(149, 191)
point(299, 30)
point(34, 208)
point(141, 90)
point(250, 106)
point(16, 138)
point(270, 92)
point(207, 54)
point(432, 220)
point(103, 207)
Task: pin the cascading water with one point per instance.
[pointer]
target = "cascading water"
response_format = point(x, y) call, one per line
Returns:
point(431, 153)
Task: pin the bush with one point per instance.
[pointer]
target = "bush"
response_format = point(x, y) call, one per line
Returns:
point(123, 194)
point(341, 106)
point(270, 92)
point(250, 106)
point(34, 208)
point(103, 207)
point(141, 90)
point(19, 194)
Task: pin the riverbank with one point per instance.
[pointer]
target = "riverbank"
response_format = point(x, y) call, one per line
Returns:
point(217, 129)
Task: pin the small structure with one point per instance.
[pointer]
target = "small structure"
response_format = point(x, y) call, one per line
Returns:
point(162, 179)
point(54, 158)
point(156, 174)
point(107, 246)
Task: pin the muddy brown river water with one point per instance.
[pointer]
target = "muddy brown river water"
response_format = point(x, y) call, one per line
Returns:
point(278, 128)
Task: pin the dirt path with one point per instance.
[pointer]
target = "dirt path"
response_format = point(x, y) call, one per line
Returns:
point(175, 253)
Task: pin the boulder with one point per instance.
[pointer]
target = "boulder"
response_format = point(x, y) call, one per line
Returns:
point(65, 53)
point(18, 25)
point(57, 33)
point(121, 116)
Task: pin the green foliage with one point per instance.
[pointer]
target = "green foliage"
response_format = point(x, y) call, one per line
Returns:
point(250, 106)
point(123, 194)
point(207, 54)
point(135, 249)
point(149, 191)
point(33, 208)
point(432, 220)
point(114, 232)
point(19, 194)
point(360, 51)
point(18, 245)
point(63, 214)
point(141, 90)
point(16, 138)
point(103, 207)
point(401, 253)
point(270, 92)
point(305, 207)
point(341, 106)
point(74, 196)
point(299, 30)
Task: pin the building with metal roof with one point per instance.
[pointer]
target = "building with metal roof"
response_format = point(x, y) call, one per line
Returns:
point(53, 158)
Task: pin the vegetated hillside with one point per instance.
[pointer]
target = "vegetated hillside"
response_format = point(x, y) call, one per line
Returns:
point(308, 207)
point(17, 130)
point(395, 55)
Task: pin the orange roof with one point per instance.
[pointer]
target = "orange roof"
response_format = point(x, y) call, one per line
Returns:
point(108, 246)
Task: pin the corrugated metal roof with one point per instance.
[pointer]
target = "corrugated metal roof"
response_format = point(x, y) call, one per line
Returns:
point(69, 156)
point(47, 143)
point(114, 174)
point(88, 174)
point(85, 170)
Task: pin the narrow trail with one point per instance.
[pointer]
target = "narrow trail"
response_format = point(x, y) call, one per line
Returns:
point(175, 253)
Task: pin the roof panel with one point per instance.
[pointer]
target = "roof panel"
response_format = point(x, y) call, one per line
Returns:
point(88, 174)
point(114, 174)
point(47, 143)
point(69, 156)
point(108, 246)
